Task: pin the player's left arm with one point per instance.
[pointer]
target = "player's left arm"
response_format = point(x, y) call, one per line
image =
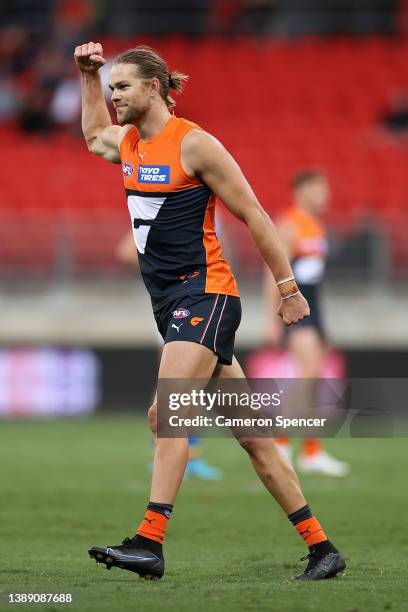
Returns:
point(204, 157)
point(274, 328)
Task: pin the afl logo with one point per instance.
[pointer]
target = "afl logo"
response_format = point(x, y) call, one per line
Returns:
point(181, 313)
point(127, 169)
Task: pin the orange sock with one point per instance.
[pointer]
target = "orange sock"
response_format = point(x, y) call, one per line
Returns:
point(311, 531)
point(307, 526)
point(311, 446)
point(153, 526)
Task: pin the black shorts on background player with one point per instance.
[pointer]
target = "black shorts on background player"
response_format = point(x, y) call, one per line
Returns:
point(314, 320)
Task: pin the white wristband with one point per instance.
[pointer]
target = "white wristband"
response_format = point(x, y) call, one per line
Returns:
point(285, 280)
point(291, 295)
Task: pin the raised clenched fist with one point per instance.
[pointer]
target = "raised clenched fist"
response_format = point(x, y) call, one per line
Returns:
point(89, 57)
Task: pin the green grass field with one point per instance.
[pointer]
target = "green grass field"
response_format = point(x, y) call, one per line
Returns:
point(68, 485)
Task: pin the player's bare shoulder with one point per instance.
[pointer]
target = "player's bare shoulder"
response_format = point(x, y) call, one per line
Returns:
point(198, 149)
point(111, 138)
point(123, 130)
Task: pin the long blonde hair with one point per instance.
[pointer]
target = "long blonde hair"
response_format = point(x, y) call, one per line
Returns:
point(151, 65)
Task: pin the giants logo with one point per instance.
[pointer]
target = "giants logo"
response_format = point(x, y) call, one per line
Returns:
point(196, 320)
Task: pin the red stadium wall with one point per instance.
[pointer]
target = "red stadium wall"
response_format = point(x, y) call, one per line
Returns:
point(277, 106)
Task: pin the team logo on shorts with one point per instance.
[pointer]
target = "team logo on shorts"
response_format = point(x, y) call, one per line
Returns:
point(181, 313)
point(127, 168)
point(196, 320)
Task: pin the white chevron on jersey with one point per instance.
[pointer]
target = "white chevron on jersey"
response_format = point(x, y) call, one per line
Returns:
point(143, 208)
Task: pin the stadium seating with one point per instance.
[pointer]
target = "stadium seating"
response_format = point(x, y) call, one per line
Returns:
point(278, 106)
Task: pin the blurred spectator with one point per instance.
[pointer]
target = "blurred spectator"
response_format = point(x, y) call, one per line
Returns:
point(38, 91)
point(33, 115)
point(65, 105)
point(308, 17)
point(395, 119)
point(8, 98)
point(17, 49)
point(403, 17)
point(37, 85)
point(242, 17)
point(32, 15)
point(133, 17)
point(73, 22)
point(391, 127)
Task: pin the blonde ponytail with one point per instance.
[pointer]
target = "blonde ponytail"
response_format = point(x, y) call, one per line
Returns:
point(176, 82)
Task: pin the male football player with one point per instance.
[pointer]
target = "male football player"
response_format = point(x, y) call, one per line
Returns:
point(303, 233)
point(173, 170)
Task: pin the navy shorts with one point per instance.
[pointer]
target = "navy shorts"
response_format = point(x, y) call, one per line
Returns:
point(208, 319)
point(311, 293)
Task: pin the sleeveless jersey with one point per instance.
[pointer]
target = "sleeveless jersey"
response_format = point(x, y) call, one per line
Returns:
point(310, 246)
point(173, 218)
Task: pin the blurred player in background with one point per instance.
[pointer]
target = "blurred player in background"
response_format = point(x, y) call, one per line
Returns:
point(196, 466)
point(303, 233)
point(173, 172)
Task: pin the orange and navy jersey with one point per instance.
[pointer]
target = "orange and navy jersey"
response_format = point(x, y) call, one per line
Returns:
point(310, 246)
point(172, 217)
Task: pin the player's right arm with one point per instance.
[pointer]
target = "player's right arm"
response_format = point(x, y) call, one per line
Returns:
point(102, 138)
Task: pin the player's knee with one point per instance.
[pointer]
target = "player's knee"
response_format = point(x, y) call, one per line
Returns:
point(152, 416)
